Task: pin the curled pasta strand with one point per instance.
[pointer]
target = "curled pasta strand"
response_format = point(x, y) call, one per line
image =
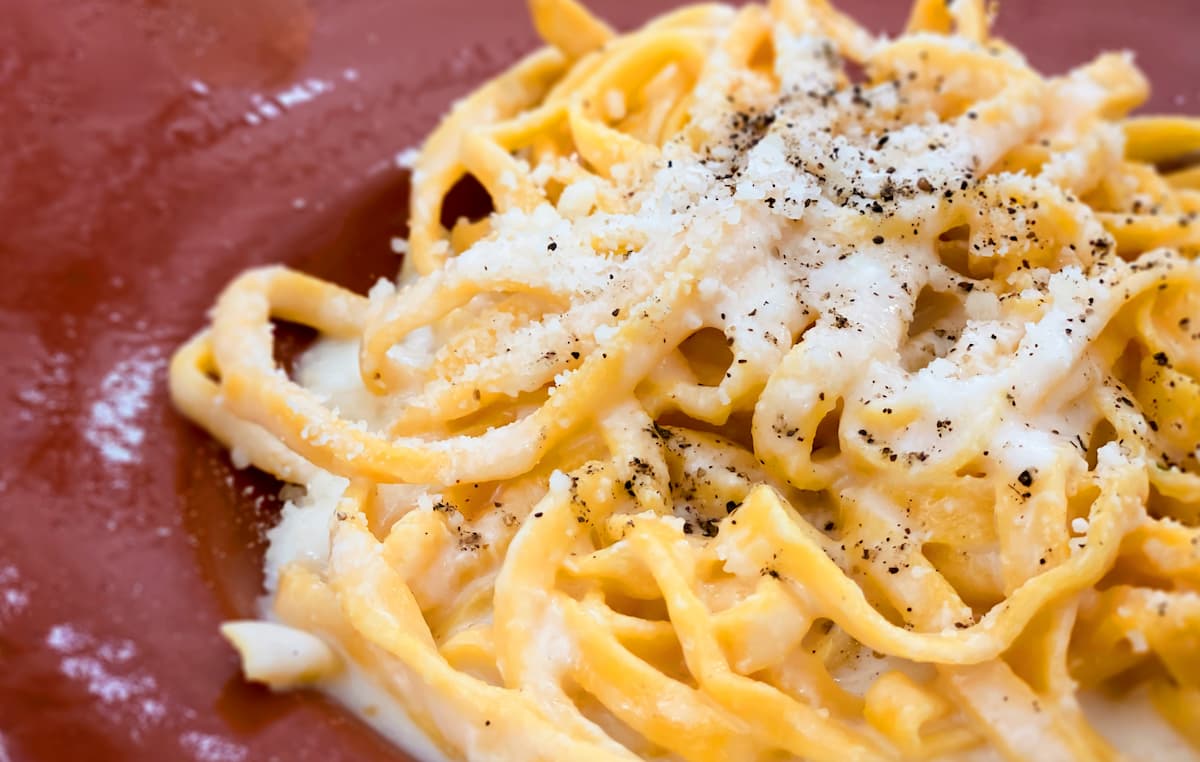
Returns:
point(438, 166)
point(801, 559)
point(368, 590)
point(568, 26)
point(797, 728)
point(198, 396)
point(243, 348)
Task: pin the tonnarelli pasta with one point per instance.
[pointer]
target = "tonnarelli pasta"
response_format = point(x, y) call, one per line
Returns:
point(774, 411)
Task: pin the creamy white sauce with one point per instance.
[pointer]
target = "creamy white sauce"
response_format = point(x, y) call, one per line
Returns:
point(354, 689)
point(1129, 722)
point(1135, 728)
point(302, 536)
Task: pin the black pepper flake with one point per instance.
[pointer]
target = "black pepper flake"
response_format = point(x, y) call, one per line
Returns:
point(1025, 478)
point(552, 246)
point(877, 240)
point(1161, 358)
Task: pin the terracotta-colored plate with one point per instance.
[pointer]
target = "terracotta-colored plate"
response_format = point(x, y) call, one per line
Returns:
point(149, 150)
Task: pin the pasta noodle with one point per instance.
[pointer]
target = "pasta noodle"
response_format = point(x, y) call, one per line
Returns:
point(769, 414)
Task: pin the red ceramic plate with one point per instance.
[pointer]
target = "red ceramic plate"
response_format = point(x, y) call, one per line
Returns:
point(151, 149)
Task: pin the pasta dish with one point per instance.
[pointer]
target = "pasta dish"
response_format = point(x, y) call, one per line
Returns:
point(805, 394)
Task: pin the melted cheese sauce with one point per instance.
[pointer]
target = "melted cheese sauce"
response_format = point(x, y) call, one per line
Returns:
point(302, 535)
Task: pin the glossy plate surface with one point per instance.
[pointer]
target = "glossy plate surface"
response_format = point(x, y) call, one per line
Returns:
point(150, 150)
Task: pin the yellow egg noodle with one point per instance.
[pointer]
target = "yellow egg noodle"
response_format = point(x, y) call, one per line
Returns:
point(769, 414)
